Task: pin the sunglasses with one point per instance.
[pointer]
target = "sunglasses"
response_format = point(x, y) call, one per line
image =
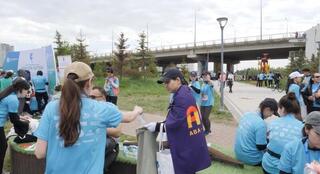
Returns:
point(316, 76)
point(94, 96)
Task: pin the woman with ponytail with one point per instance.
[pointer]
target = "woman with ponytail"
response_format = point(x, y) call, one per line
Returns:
point(294, 83)
point(72, 130)
point(281, 131)
point(9, 104)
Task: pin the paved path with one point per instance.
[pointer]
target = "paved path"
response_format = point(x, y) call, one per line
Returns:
point(246, 97)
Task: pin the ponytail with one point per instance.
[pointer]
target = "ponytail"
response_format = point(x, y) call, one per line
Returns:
point(291, 105)
point(70, 110)
point(18, 85)
point(289, 82)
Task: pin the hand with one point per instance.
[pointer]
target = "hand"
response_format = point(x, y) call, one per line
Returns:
point(151, 126)
point(311, 98)
point(138, 110)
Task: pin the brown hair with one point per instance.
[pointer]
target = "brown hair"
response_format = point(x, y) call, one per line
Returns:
point(290, 104)
point(308, 127)
point(101, 90)
point(70, 109)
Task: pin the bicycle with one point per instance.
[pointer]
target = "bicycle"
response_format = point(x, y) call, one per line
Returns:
point(276, 86)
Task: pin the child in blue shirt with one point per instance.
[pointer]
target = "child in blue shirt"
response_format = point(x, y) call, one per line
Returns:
point(72, 131)
point(306, 150)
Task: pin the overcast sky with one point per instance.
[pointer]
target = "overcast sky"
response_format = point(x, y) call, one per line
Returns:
point(32, 24)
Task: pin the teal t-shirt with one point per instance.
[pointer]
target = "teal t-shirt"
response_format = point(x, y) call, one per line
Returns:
point(281, 131)
point(87, 154)
point(5, 82)
point(8, 104)
point(296, 155)
point(252, 131)
point(296, 90)
point(207, 94)
point(39, 83)
point(314, 89)
point(195, 95)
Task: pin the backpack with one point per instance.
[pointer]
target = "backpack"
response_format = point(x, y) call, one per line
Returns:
point(112, 150)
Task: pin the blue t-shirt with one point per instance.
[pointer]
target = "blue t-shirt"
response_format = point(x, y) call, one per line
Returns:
point(314, 89)
point(8, 104)
point(207, 94)
point(270, 76)
point(196, 96)
point(296, 90)
point(296, 155)
point(281, 131)
point(39, 83)
point(87, 154)
point(261, 76)
point(252, 131)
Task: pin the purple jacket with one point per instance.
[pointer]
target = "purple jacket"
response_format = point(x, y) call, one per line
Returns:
point(185, 134)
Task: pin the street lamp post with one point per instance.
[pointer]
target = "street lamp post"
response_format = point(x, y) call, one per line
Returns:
point(222, 22)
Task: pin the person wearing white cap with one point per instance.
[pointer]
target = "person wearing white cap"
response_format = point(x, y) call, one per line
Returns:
point(72, 131)
point(294, 82)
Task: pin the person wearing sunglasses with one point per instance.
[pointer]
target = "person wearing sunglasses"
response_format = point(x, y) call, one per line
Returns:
point(72, 130)
point(313, 93)
point(112, 146)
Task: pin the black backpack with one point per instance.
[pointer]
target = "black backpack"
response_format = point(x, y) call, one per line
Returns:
point(112, 150)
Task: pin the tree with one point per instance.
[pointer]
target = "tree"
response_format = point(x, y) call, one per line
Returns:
point(80, 49)
point(121, 53)
point(142, 51)
point(62, 47)
point(298, 61)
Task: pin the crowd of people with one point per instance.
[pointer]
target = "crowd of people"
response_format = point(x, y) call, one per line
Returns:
point(83, 121)
point(268, 79)
point(291, 139)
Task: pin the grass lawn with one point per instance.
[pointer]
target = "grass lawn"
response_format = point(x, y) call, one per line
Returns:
point(154, 98)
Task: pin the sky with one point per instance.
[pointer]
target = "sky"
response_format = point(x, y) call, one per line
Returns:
point(32, 24)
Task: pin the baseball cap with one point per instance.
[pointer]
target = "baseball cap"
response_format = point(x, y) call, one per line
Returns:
point(313, 118)
point(82, 70)
point(295, 74)
point(171, 73)
point(193, 74)
point(270, 103)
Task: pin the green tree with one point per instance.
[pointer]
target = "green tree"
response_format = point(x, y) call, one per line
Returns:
point(80, 49)
point(121, 53)
point(148, 65)
point(298, 61)
point(62, 47)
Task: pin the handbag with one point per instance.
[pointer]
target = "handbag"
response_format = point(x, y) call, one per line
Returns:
point(164, 158)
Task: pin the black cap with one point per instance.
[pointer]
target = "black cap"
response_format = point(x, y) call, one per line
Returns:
point(109, 70)
point(193, 74)
point(270, 103)
point(171, 73)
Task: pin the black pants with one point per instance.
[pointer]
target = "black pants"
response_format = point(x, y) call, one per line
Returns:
point(112, 99)
point(42, 96)
point(205, 113)
point(270, 83)
point(3, 147)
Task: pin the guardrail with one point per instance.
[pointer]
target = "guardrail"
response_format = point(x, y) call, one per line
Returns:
point(227, 41)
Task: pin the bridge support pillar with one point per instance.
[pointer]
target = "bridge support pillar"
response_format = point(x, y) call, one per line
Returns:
point(230, 67)
point(217, 67)
point(201, 66)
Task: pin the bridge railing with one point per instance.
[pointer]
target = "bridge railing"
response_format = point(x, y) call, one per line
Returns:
point(228, 41)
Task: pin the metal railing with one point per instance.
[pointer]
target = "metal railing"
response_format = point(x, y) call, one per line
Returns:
point(227, 41)
point(212, 43)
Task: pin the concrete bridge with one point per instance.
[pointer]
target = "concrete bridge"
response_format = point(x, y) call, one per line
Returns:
point(278, 46)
